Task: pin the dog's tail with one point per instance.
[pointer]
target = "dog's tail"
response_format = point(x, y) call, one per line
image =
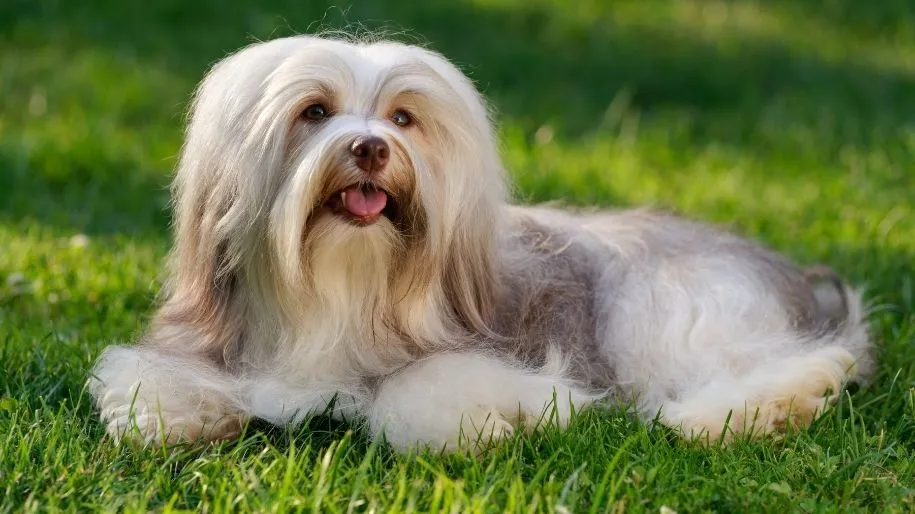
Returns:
point(842, 315)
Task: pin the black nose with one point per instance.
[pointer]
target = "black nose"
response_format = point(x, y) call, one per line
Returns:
point(371, 153)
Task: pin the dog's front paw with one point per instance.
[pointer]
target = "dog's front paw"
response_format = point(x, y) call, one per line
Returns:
point(143, 420)
point(473, 429)
point(482, 427)
point(150, 398)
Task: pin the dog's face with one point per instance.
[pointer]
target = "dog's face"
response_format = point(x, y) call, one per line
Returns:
point(351, 176)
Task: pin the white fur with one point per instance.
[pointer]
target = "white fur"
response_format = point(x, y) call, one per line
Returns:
point(767, 398)
point(275, 307)
point(424, 404)
point(191, 400)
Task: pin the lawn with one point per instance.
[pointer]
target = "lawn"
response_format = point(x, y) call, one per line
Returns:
point(791, 121)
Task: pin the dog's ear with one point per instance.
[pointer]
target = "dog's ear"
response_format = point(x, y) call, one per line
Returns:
point(197, 311)
point(470, 281)
point(474, 194)
point(233, 149)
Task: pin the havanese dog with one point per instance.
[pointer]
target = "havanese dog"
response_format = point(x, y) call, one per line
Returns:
point(344, 243)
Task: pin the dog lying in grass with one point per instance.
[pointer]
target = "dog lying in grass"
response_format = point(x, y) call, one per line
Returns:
point(343, 238)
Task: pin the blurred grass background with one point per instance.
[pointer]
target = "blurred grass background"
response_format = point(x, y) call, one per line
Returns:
point(792, 121)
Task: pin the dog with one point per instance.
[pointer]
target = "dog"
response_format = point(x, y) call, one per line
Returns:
point(343, 242)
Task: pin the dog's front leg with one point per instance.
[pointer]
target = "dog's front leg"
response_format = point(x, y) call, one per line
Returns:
point(453, 400)
point(148, 395)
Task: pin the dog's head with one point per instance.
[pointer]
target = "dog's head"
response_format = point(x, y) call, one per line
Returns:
point(328, 175)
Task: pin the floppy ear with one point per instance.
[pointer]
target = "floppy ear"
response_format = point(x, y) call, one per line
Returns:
point(199, 291)
point(232, 150)
point(470, 283)
point(474, 196)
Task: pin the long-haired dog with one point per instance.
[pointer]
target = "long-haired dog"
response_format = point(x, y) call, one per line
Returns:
point(343, 238)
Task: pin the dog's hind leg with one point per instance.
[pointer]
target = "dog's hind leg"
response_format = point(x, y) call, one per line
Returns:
point(732, 358)
point(786, 391)
point(791, 389)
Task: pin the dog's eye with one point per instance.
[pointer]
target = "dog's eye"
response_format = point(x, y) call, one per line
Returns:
point(315, 112)
point(401, 118)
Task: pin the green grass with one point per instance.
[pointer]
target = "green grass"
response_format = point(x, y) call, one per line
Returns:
point(791, 120)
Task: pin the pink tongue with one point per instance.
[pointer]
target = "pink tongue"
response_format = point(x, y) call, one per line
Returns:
point(360, 203)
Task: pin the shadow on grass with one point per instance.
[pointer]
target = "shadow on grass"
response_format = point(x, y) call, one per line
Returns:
point(538, 68)
point(132, 201)
point(886, 18)
point(539, 64)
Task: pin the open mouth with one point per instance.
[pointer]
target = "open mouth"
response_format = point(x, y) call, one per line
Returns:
point(362, 204)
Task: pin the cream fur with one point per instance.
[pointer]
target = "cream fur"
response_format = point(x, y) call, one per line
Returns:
point(454, 316)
